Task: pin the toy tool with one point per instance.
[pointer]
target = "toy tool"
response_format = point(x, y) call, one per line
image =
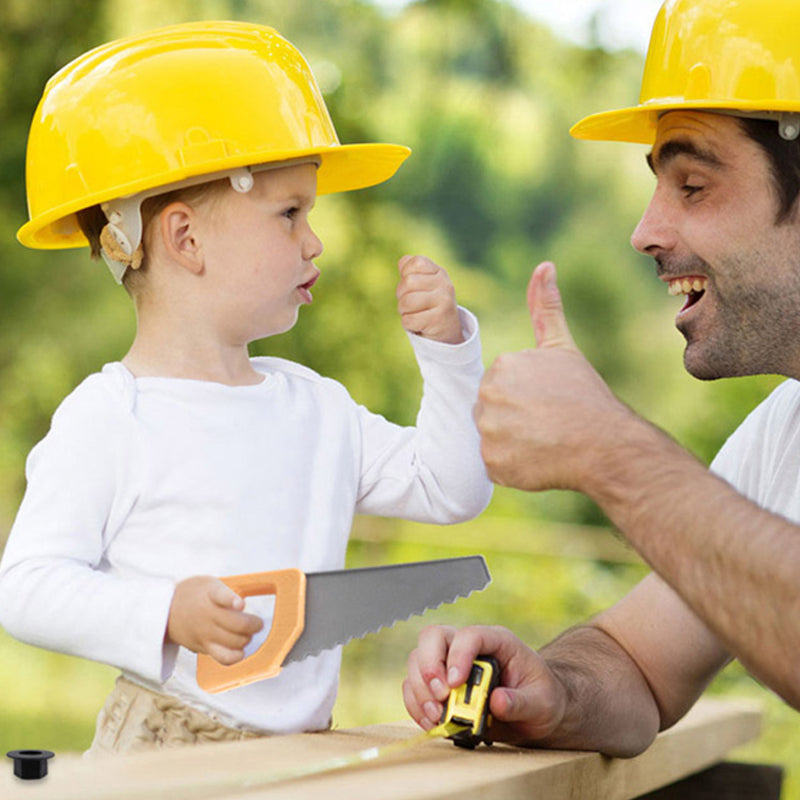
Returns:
point(320, 610)
point(468, 705)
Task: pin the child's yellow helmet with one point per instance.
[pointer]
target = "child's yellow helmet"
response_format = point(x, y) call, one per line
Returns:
point(188, 100)
point(734, 56)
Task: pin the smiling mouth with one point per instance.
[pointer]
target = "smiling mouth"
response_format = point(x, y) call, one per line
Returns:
point(694, 287)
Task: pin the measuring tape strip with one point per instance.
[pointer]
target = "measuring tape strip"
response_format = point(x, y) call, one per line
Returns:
point(465, 720)
point(203, 787)
point(444, 730)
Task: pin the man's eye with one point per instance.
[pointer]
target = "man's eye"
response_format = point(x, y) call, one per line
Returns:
point(690, 189)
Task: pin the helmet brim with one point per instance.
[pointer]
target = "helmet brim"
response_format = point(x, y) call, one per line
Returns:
point(638, 124)
point(343, 168)
point(357, 166)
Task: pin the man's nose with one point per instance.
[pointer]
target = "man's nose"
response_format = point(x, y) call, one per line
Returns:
point(656, 229)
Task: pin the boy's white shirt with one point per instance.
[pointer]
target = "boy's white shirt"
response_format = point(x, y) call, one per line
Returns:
point(142, 482)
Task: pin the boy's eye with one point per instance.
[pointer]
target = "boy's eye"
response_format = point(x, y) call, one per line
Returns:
point(291, 213)
point(690, 189)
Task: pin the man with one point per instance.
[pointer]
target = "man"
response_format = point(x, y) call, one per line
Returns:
point(724, 229)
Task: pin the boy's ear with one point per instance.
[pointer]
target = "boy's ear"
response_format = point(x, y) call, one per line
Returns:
point(179, 236)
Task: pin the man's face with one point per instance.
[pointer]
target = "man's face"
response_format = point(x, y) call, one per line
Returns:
point(711, 228)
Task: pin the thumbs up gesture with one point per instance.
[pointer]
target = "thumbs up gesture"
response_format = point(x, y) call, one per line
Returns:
point(545, 416)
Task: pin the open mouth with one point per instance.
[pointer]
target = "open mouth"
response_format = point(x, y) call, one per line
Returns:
point(308, 284)
point(694, 287)
point(305, 288)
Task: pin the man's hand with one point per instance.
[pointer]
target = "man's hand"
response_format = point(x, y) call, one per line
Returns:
point(527, 706)
point(426, 300)
point(545, 415)
point(206, 616)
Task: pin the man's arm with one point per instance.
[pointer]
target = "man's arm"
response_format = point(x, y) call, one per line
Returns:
point(609, 685)
point(549, 421)
point(733, 563)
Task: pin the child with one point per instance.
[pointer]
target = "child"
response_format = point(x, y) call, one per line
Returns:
point(188, 459)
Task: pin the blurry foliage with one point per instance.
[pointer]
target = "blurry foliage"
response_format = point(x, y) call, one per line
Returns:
point(485, 97)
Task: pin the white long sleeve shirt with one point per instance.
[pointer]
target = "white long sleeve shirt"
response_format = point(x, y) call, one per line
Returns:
point(142, 482)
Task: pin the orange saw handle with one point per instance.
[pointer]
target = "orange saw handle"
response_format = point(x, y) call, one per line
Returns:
point(288, 621)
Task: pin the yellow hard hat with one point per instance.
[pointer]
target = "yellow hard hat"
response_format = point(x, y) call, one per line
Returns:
point(734, 56)
point(172, 104)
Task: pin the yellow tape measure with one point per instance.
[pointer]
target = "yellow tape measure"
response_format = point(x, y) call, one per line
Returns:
point(469, 704)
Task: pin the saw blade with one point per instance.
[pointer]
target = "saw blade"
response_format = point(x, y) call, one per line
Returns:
point(350, 603)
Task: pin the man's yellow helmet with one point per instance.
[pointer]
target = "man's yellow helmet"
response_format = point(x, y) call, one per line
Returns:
point(735, 56)
point(189, 100)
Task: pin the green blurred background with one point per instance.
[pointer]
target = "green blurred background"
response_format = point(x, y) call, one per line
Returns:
point(485, 97)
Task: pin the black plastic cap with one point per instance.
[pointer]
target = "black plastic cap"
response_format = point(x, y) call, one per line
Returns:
point(30, 765)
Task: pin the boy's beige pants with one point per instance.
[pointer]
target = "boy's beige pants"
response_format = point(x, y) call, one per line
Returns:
point(136, 719)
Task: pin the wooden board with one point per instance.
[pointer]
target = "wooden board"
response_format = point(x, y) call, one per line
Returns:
point(434, 770)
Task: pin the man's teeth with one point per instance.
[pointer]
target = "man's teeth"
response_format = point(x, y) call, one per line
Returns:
point(687, 285)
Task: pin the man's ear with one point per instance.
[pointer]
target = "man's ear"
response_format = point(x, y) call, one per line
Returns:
point(179, 228)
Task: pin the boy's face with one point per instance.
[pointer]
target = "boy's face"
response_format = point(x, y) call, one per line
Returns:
point(258, 251)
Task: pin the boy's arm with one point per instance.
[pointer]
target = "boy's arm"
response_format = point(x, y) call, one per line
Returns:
point(55, 590)
point(426, 301)
point(432, 472)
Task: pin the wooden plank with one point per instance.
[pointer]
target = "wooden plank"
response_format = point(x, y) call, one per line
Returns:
point(434, 770)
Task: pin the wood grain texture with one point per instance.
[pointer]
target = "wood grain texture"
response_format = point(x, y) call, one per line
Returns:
point(434, 770)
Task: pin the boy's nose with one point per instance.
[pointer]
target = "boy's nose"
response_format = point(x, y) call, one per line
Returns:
point(313, 246)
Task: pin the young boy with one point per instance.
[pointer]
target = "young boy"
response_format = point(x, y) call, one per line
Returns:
point(191, 157)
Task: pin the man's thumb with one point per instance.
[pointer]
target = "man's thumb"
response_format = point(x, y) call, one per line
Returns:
point(547, 312)
point(515, 705)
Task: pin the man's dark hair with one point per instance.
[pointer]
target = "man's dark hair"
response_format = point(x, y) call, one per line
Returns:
point(784, 159)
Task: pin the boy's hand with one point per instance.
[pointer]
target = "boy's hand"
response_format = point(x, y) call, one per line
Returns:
point(207, 617)
point(426, 300)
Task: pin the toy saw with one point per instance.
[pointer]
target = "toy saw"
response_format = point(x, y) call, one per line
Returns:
point(318, 611)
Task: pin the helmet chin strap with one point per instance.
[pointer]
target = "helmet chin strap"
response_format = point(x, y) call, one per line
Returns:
point(788, 121)
point(124, 214)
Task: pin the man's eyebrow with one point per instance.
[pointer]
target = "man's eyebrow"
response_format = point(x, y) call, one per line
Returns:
point(682, 147)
